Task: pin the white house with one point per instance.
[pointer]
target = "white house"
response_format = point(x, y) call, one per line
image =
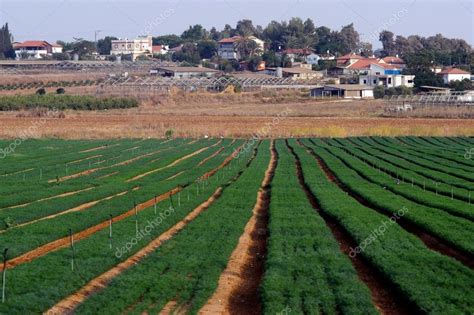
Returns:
point(143, 45)
point(36, 49)
point(227, 47)
point(386, 75)
point(313, 59)
point(454, 74)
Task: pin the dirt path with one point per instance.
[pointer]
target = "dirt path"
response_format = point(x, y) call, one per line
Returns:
point(173, 163)
point(430, 240)
point(237, 291)
point(99, 148)
point(210, 157)
point(385, 296)
point(67, 305)
point(85, 159)
point(71, 193)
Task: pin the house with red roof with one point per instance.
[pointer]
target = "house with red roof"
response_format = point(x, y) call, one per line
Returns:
point(35, 49)
point(454, 74)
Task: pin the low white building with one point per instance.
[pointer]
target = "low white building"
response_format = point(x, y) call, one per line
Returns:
point(454, 74)
point(143, 45)
point(35, 49)
point(386, 75)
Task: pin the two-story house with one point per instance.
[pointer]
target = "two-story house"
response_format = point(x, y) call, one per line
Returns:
point(227, 48)
point(143, 45)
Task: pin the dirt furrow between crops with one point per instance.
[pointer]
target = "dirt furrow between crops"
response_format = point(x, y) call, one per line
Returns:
point(173, 163)
point(71, 193)
point(99, 148)
point(67, 305)
point(210, 157)
point(385, 296)
point(85, 159)
point(427, 238)
point(82, 207)
point(19, 172)
point(237, 291)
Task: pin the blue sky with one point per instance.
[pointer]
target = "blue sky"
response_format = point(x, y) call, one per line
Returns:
point(64, 19)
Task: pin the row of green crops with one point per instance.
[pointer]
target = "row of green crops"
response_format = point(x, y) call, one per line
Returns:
point(437, 284)
point(454, 230)
point(305, 270)
point(26, 238)
point(63, 102)
point(93, 255)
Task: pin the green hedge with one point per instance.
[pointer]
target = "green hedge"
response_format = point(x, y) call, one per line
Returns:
point(62, 102)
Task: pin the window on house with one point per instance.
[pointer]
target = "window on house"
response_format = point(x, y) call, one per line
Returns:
point(410, 81)
point(375, 81)
point(389, 80)
point(365, 81)
point(377, 73)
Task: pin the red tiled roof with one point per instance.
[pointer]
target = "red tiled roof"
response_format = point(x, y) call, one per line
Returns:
point(350, 56)
point(33, 43)
point(385, 65)
point(393, 60)
point(362, 64)
point(230, 39)
point(453, 71)
point(156, 48)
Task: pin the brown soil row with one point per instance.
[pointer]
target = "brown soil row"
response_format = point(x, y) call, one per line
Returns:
point(385, 296)
point(99, 148)
point(173, 163)
point(210, 157)
point(71, 193)
point(237, 291)
point(19, 172)
point(427, 238)
point(85, 159)
point(67, 305)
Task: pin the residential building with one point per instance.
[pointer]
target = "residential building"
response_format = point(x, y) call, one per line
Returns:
point(227, 47)
point(386, 75)
point(454, 74)
point(160, 49)
point(312, 59)
point(35, 49)
point(143, 45)
point(394, 60)
point(353, 91)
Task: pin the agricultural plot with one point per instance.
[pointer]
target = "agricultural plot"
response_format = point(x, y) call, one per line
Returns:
point(223, 226)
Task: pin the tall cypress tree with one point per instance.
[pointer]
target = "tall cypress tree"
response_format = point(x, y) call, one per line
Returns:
point(6, 48)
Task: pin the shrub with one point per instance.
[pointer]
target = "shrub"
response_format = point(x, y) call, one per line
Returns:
point(60, 91)
point(41, 91)
point(379, 91)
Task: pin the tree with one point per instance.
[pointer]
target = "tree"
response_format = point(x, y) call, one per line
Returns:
point(6, 48)
point(379, 91)
point(463, 85)
point(170, 40)
point(247, 47)
point(189, 53)
point(388, 43)
point(104, 45)
point(83, 47)
point(254, 62)
point(195, 33)
point(349, 38)
point(245, 28)
point(207, 48)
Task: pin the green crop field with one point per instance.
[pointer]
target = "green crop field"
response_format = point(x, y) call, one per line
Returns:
point(367, 225)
